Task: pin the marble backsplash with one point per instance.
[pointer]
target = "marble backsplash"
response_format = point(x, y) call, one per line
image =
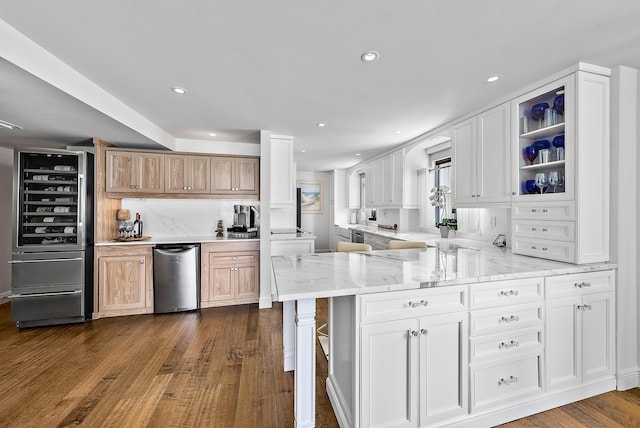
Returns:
point(183, 217)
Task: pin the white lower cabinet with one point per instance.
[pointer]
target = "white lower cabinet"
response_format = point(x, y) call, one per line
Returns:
point(580, 329)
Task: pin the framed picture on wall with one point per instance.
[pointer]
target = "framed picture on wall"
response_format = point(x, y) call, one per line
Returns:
point(311, 191)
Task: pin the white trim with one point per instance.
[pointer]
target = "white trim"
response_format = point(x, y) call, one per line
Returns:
point(628, 379)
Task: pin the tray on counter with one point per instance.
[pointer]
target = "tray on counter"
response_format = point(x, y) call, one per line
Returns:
point(142, 238)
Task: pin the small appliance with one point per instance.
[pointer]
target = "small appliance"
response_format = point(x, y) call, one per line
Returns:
point(246, 221)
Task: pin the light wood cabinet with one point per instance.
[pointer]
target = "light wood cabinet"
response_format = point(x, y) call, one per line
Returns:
point(481, 158)
point(187, 174)
point(235, 176)
point(124, 280)
point(230, 273)
point(134, 172)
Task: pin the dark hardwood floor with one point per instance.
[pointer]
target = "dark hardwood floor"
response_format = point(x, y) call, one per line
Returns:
point(219, 367)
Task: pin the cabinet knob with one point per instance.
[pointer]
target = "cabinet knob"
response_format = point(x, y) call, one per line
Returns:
point(141, 262)
point(189, 188)
point(533, 229)
point(533, 247)
point(414, 333)
point(424, 331)
point(544, 229)
point(544, 248)
point(544, 210)
point(513, 193)
point(533, 210)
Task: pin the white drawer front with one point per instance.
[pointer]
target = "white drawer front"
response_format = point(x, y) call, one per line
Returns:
point(562, 211)
point(505, 382)
point(577, 284)
point(506, 345)
point(413, 303)
point(502, 293)
point(497, 320)
point(554, 250)
point(553, 230)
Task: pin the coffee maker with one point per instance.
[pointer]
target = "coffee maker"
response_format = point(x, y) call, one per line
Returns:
point(246, 219)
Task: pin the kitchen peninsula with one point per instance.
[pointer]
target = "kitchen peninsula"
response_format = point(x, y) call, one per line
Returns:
point(459, 334)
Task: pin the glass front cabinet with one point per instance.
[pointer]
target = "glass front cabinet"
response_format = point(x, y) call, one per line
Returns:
point(560, 168)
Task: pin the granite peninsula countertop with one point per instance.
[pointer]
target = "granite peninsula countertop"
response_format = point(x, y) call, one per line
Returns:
point(452, 262)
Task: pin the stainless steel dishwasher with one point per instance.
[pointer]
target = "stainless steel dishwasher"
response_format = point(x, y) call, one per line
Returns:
point(176, 278)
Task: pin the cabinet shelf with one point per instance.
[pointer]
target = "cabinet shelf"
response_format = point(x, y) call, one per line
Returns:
point(51, 171)
point(544, 132)
point(45, 182)
point(544, 166)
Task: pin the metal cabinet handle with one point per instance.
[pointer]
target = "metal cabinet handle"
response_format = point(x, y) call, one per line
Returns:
point(424, 303)
point(509, 293)
point(544, 229)
point(424, 331)
point(544, 210)
point(584, 307)
point(512, 318)
point(44, 260)
point(508, 381)
point(414, 333)
point(509, 345)
point(582, 284)
point(533, 210)
point(533, 229)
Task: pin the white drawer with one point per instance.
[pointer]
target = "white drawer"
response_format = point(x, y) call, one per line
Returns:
point(561, 211)
point(506, 382)
point(578, 284)
point(500, 293)
point(506, 345)
point(501, 319)
point(540, 229)
point(412, 303)
point(554, 250)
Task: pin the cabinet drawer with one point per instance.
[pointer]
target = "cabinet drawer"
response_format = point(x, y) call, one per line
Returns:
point(577, 284)
point(496, 320)
point(412, 303)
point(561, 211)
point(506, 293)
point(506, 345)
point(235, 258)
point(554, 230)
point(554, 250)
point(505, 382)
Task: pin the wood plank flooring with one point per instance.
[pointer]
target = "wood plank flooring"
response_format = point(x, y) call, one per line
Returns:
point(219, 367)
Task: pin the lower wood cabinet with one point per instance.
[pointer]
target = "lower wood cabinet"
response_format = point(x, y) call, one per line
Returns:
point(124, 280)
point(230, 273)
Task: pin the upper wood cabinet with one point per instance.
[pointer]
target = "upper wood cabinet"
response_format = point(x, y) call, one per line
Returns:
point(187, 174)
point(235, 176)
point(134, 172)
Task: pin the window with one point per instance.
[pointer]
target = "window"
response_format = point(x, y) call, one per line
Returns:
point(442, 177)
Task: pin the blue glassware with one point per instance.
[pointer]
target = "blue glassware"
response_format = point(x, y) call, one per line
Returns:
point(558, 104)
point(537, 111)
point(530, 153)
point(541, 144)
point(558, 141)
point(530, 186)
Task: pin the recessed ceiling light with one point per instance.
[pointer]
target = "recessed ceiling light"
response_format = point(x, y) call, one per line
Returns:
point(179, 90)
point(397, 131)
point(9, 125)
point(369, 56)
point(321, 125)
point(303, 151)
point(357, 154)
point(212, 134)
point(493, 78)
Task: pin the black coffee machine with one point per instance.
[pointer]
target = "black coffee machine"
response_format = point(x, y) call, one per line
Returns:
point(246, 221)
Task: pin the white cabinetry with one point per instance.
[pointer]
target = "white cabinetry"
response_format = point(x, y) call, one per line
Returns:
point(353, 194)
point(580, 329)
point(370, 185)
point(481, 158)
point(283, 174)
point(392, 181)
point(582, 168)
point(506, 340)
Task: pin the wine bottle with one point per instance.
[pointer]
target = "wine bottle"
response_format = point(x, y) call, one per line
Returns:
point(137, 227)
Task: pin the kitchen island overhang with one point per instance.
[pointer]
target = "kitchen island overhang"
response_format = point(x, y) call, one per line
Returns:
point(457, 262)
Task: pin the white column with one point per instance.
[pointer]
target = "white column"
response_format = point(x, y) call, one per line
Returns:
point(304, 400)
point(289, 334)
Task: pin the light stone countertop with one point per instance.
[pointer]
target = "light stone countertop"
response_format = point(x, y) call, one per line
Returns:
point(292, 236)
point(449, 263)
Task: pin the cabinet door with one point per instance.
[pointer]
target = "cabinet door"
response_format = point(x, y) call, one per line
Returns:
point(397, 174)
point(149, 172)
point(221, 281)
point(248, 176)
point(369, 186)
point(119, 172)
point(221, 175)
point(493, 155)
point(283, 173)
point(176, 178)
point(122, 283)
point(597, 336)
point(247, 281)
point(464, 162)
point(199, 177)
point(354, 190)
point(563, 342)
point(443, 368)
point(389, 374)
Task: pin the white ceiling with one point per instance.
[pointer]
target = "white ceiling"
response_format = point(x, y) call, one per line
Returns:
point(285, 65)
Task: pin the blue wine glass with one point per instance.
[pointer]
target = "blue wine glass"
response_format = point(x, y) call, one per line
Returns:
point(530, 153)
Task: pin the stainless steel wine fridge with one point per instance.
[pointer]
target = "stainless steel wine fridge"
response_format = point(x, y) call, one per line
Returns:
point(52, 253)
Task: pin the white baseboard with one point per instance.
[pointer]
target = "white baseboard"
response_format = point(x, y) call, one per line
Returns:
point(265, 302)
point(628, 379)
point(339, 404)
point(4, 296)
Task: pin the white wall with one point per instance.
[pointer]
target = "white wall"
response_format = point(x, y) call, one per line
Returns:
point(318, 224)
point(6, 185)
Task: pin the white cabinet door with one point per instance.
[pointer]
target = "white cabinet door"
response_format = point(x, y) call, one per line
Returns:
point(389, 374)
point(597, 336)
point(353, 194)
point(493, 177)
point(464, 162)
point(397, 174)
point(370, 184)
point(443, 368)
point(381, 183)
point(282, 173)
point(562, 347)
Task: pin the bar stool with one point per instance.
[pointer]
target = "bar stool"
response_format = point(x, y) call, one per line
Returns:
point(344, 247)
point(398, 245)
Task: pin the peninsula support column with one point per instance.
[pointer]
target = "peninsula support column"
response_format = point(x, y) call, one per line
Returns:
point(305, 371)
